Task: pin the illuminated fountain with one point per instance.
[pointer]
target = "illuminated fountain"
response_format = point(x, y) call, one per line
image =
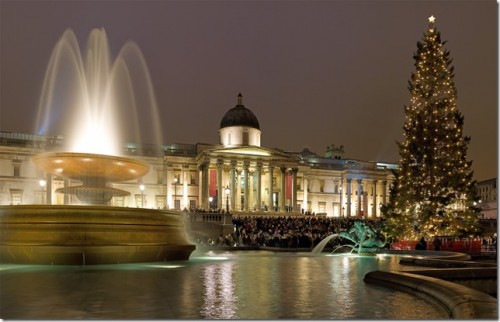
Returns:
point(94, 171)
point(93, 101)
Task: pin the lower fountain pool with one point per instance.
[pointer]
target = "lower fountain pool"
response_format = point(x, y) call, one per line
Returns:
point(212, 285)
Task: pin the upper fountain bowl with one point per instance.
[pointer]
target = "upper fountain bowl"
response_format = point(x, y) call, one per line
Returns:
point(79, 166)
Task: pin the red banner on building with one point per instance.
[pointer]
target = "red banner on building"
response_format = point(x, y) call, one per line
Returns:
point(213, 183)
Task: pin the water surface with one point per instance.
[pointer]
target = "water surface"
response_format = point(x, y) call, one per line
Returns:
point(211, 285)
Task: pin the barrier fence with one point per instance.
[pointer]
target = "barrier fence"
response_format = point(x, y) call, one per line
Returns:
point(464, 245)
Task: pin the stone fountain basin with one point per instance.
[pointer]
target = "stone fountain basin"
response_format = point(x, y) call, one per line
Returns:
point(79, 166)
point(83, 235)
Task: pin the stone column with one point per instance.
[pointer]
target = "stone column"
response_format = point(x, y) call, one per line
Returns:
point(349, 197)
point(360, 191)
point(384, 192)
point(204, 185)
point(220, 187)
point(342, 207)
point(305, 183)
point(281, 203)
point(185, 179)
point(271, 170)
point(294, 188)
point(246, 167)
point(232, 185)
point(238, 190)
point(200, 186)
point(169, 181)
point(259, 186)
point(375, 207)
point(251, 198)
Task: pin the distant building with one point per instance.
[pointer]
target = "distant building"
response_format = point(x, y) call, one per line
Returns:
point(198, 175)
point(487, 191)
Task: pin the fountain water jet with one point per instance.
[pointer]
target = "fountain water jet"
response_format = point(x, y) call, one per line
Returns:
point(87, 102)
point(93, 100)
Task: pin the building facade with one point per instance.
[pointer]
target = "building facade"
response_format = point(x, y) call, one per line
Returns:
point(237, 174)
point(487, 191)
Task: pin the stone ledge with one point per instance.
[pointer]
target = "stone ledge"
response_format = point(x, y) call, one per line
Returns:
point(483, 279)
point(451, 274)
point(443, 262)
point(460, 301)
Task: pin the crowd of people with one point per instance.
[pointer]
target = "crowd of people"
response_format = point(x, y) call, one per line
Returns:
point(286, 232)
point(202, 210)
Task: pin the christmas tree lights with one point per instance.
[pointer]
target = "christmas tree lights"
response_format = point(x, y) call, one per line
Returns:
point(433, 193)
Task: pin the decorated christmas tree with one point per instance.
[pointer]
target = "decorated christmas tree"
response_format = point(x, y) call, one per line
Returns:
point(433, 193)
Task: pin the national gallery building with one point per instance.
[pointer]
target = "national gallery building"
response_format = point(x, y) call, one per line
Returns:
point(237, 174)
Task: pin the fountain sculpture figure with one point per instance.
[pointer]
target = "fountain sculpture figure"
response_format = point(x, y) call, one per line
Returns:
point(90, 101)
point(364, 239)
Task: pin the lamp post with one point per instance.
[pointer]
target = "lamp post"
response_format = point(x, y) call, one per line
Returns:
point(141, 187)
point(42, 183)
point(175, 193)
point(210, 199)
point(227, 191)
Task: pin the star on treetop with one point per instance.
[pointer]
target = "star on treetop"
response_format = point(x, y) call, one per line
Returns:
point(432, 19)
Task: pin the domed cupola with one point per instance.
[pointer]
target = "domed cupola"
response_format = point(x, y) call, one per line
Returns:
point(239, 126)
point(239, 116)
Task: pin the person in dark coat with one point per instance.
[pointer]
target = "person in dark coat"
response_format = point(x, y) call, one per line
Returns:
point(437, 244)
point(421, 245)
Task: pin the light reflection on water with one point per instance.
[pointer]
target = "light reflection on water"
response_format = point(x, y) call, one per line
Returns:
point(239, 285)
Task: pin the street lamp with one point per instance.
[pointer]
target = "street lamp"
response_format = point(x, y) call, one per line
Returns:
point(210, 199)
point(42, 183)
point(227, 191)
point(141, 187)
point(175, 193)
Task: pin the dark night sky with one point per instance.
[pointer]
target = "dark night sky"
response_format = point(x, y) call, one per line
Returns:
point(313, 72)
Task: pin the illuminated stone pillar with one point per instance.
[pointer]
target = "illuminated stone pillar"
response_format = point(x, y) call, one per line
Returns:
point(184, 181)
point(271, 170)
point(342, 207)
point(232, 185)
point(375, 207)
point(204, 185)
point(384, 192)
point(258, 172)
point(348, 197)
point(360, 192)
point(294, 188)
point(170, 199)
point(238, 190)
point(246, 190)
point(305, 183)
point(281, 203)
point(251, 194)
point(220, 188)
